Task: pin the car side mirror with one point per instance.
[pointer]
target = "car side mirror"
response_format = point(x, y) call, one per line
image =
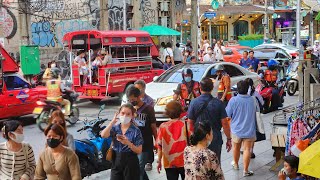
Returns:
point(155, 78)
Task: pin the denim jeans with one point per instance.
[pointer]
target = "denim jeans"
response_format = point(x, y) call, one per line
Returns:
point(143, 158)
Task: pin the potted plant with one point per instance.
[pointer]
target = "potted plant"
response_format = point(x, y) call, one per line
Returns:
point(251, 40)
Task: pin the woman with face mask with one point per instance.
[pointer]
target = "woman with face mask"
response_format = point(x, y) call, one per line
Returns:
point(16, 158)
point(57, 161)
point(187, 56)
point(170, 150)
point(127, 144)
point(57, 117)
point(290, 169)
point(200, 162)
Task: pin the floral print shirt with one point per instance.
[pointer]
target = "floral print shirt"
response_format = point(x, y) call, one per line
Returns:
point(201, 164)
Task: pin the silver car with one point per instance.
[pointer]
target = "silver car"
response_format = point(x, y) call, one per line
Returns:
point(161, 89)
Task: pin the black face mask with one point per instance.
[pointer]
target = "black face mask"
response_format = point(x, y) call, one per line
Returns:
point(53, 143)
point(134, 103)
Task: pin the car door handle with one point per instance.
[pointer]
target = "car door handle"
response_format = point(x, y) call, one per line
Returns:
point(11, 95)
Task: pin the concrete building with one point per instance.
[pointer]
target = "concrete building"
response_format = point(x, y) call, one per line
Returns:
point(44, 23)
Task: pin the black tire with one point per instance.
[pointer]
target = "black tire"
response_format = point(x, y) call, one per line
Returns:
point(74, 116)
point(86, 168)
point(291, 90)
point(43, 120)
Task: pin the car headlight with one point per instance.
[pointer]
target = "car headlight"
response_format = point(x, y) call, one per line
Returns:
point(164, 101)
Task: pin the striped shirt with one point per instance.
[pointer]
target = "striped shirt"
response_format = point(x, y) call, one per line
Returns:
point(14, 165)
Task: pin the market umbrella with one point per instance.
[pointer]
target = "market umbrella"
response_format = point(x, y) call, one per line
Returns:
point(309, 160)
point(156, 30)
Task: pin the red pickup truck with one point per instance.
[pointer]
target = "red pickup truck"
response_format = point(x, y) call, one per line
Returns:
point(17, 96)
point(133, 56)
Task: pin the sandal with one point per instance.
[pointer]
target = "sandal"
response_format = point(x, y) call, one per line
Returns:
point(235, 167)
point(249, 173)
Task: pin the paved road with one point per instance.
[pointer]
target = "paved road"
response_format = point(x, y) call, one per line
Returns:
point(260, 165)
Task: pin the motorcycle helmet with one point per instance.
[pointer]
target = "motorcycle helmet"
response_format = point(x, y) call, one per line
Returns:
point(55, 72)
point(273, 64)
point(187, 71)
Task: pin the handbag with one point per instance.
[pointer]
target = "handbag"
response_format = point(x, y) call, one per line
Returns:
point(110, 153)
point(259, 122)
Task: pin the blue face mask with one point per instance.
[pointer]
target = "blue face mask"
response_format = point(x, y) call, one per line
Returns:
point(187, 79)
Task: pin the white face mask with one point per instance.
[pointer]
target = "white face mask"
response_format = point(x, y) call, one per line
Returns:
point(209, 52)
point(19, 137)
point(53, 65)
point(124, 119)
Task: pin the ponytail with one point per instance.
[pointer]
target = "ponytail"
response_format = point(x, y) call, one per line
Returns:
point(200, 132)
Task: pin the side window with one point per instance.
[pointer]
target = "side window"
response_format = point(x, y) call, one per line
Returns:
point(232, 71)
point(211, 73)
point(228, 52)
point(282, 56)
point(15, 82)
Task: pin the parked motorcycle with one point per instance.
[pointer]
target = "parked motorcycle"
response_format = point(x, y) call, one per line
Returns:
point(92, 152)
point(292, 77)
point(270, 102)
point(45, 108)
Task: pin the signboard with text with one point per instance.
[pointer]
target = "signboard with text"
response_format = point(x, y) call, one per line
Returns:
point(210, 15)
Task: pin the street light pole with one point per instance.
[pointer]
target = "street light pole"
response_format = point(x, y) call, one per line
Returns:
point(124, 15)
point(194, 24)
point(265, 20)
point(298, 43)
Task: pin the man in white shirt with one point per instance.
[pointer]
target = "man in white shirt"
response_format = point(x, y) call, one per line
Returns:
point(177, 55)
point(219, 51)
point(168, 51)
point(209, 57)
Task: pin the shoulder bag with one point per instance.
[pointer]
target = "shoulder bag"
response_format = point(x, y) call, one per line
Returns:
point(109, 155)
point(260, 131)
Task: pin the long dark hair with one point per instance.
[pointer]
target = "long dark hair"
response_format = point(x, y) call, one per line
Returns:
point(250, 83)
point(200, 132)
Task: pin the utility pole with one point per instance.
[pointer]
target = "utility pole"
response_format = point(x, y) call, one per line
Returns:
point(104, 20)
point(124, 15)
point(298, 43)
point(266, 24)
point(194, 25)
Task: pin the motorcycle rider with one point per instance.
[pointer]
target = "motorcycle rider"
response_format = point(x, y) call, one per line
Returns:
point(55, 89)
point(188, 89)
point(224, 89)
point(270, 77)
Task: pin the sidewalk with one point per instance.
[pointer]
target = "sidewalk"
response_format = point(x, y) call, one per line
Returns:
point(260, 165)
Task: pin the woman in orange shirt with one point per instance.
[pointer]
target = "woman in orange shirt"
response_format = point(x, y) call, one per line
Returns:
point(171, 142)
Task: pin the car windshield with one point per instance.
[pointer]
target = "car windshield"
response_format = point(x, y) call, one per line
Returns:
point(290, 47)
point(174, 75)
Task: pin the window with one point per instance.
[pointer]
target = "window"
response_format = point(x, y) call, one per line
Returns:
point(144, 51)
point(131, 51)
point(144, 39)
point(232, 71)
point(15, 82)
point(117, 52)
point(228, 52)
point(117, 39)
point(174, 75)
point(281, 56)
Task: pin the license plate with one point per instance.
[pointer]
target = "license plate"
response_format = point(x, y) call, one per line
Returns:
point(37, 110)
point(92, 92)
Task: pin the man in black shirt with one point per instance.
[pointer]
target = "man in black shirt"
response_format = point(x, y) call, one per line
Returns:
point(146, 121)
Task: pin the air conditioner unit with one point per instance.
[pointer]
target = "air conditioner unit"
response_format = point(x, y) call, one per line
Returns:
point(164, 6)
point(164, 21)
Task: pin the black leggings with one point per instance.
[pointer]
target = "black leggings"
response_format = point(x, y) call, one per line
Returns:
point(173, 173)
point(125, 166)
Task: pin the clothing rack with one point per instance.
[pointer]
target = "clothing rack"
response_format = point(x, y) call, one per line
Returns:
point(281, 117)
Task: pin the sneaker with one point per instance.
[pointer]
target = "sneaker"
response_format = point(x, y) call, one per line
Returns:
point(235, 167)
point(249, 173)
point(253, 156)
point(148, 167)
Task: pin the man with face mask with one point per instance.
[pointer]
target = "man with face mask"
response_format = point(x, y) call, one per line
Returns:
point(188, 89)
point(209, 57)
point(146, 121)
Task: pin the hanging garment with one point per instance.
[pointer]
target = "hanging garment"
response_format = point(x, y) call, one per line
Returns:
point(298, 131)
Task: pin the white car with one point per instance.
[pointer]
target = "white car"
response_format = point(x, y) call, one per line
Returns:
point(161, 89)
point(292, 50)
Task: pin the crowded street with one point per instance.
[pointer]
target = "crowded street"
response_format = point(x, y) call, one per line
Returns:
point(261, 164)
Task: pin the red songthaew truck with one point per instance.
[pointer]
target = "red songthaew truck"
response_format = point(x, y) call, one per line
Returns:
point(134, 57)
